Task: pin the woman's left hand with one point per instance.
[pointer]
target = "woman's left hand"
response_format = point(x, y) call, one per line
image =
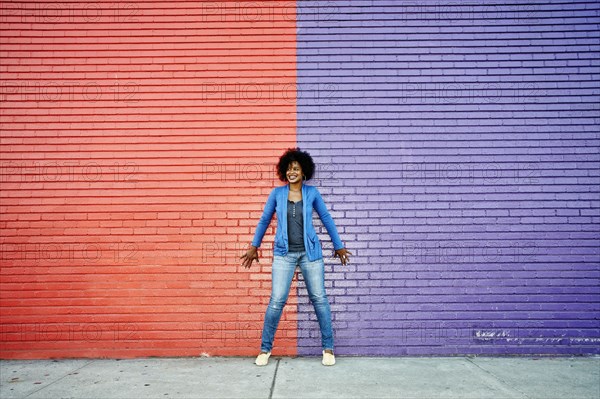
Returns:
point(343, 255)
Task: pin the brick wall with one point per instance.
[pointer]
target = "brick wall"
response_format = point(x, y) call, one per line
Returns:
point(459, 151)
point(138, 144)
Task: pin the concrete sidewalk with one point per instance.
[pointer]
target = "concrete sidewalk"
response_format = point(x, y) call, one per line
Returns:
point(304, 377)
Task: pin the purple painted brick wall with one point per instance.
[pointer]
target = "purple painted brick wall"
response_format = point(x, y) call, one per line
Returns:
point(458, 149)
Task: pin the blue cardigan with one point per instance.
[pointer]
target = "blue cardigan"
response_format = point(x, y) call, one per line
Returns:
point(311, 198)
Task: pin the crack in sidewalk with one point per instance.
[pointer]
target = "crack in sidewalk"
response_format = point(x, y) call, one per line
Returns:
point(502, 382)
point(274, 378)
point(59, 379)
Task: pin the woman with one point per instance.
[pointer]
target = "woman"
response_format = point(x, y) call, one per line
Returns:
point(296, 243)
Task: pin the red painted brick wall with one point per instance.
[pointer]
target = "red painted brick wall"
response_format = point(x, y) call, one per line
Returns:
point(138, 148)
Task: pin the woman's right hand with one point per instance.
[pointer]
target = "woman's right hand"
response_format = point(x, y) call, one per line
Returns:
point(249, 256)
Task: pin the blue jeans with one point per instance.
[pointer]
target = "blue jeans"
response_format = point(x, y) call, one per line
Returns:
point(282, 273)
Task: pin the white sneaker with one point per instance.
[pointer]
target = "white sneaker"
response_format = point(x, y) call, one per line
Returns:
point(262, 359)
point(328, 359)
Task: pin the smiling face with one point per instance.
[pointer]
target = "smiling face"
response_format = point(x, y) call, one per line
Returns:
point(294, 172)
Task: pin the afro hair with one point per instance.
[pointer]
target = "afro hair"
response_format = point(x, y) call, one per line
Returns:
point(302, 157)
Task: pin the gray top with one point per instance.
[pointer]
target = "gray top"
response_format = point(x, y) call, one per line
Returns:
point(295, 226)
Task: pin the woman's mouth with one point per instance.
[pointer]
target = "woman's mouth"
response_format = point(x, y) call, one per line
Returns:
point(292, 176)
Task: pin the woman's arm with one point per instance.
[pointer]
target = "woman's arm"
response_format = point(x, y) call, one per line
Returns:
point(327, 220)
point(265, 220)
point(251, 254)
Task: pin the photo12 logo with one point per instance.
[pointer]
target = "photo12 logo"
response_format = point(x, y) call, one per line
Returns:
point(52, 332)
point(53, 91)
point(247, 11)
point(67, 171)
point(64, 254)
point(68, 12)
